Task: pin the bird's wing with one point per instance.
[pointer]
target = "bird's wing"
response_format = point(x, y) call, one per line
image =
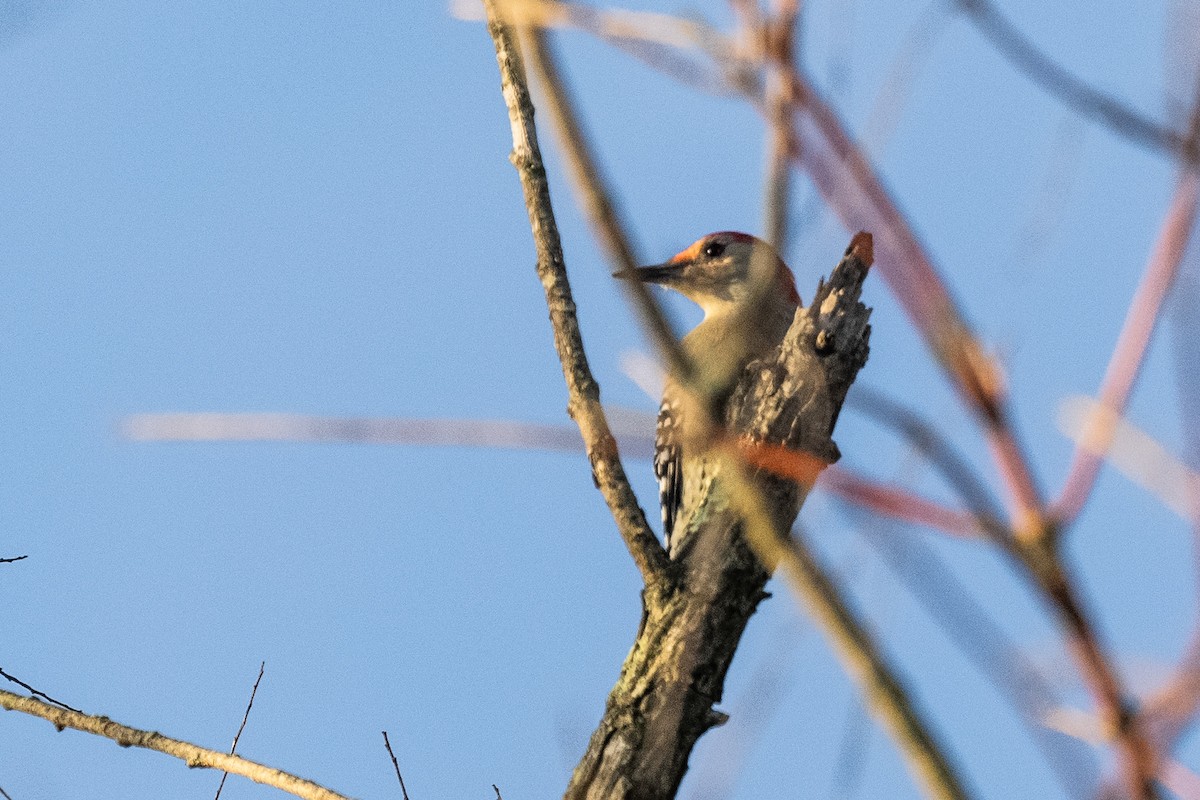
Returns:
point(668, 468)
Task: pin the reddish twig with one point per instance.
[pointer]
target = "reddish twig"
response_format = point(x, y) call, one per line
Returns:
point(890, 501)
point(900, 504)
point(1118, 719)
point(1133, 341)
point(845, 178)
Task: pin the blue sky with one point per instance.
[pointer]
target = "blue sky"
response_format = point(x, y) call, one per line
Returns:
point(308, 207)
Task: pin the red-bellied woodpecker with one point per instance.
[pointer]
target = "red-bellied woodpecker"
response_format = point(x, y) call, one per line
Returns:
point(749, 299)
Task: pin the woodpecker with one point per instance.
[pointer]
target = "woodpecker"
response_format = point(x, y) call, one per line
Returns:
point(749, 299)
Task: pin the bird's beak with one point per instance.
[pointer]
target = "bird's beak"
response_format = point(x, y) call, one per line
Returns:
point(658, 273)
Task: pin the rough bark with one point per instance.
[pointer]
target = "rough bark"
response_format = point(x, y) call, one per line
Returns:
point(692, 624)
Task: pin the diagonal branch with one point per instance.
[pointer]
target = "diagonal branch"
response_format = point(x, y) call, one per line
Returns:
point(778, 33)
point(584, 403)
point(1129, 353)
point(596, 200)
point(952, 465)
point(816, 378)
point(885, 696)
point(192, 755)
point(1085, 99)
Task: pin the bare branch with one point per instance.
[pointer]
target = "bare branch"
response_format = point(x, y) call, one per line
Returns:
point(37, 693)
point(985, 645)
point(1133, 341)
point(1073, 92)
point(950, 464)
point(596, 200)
point(778, 34)
point(897, 502)
point(395, 765)
point(584, 403)
point(192, 755)
point(885, 696)
point(504, 434)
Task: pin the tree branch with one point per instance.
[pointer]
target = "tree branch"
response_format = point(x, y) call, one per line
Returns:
point(192, 755)
point(584, 393)
point(796, 401)
point(675, 672)
point(596, 200)
point(1072, 91)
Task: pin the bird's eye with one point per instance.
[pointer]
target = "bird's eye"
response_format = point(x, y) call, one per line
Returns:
point(714, 249)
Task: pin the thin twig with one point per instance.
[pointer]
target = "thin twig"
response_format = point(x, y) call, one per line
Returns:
point(1070, 89)
point(245, 717)
point(1133, 341)
point(496, 789)
point(596, 200)
point(884, 499)
point(1133, 452)
point(192, 755)
point(446, 432)
point(5, 794)
point(584, 403)
point(11, 560)
point(778, 34)
point(901, 504)
point(633, 431)
point(1119, 720)
point(950, 464)
point(984, 643)
point(845, 177)
point(884, 695)
point(37, 693)
point(395, 765)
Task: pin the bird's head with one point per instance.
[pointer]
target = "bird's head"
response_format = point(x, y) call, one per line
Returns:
point(722, 272)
